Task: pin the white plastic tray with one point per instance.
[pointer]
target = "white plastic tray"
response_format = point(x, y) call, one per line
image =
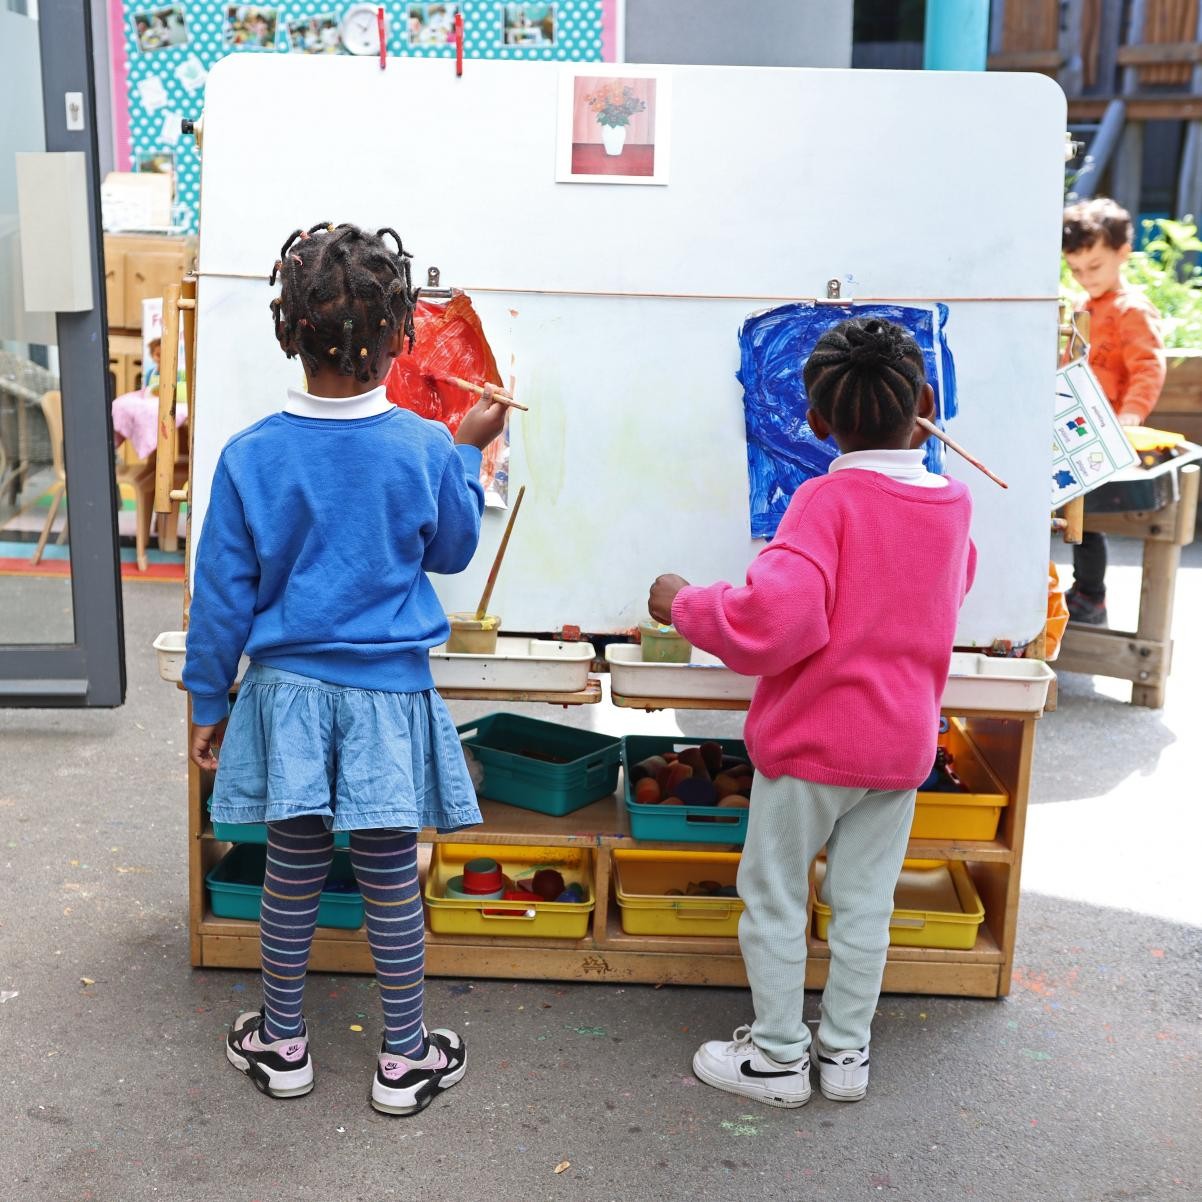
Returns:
point(706, 678)
point(169, 647)
point(537, 664)
point(981, 682)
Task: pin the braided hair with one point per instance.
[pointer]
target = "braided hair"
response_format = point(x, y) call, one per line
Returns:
point(864, 378)
point(344, 293)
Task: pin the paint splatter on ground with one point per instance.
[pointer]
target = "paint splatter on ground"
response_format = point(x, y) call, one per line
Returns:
point(782, 451)
point(745, 1126)
point(596, 1032)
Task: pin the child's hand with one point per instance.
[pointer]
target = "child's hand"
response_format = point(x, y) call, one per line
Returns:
point(663, 593)
point(206, 740)
point(1129, 419)
point(483, 422)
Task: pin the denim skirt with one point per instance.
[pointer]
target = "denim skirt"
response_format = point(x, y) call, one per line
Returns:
point(359, 758)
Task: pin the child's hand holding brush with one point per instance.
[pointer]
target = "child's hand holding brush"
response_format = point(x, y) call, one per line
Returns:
point(483, 422)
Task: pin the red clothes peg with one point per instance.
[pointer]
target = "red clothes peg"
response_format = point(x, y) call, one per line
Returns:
point(458, 42)
point(383, 28)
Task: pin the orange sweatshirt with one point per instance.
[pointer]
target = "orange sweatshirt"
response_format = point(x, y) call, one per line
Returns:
point(1126, 350)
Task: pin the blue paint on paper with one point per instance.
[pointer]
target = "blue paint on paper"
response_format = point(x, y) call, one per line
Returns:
point(782, 451)
point(1064, 479)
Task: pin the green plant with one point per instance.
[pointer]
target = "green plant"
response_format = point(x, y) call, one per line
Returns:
point(1167, 273)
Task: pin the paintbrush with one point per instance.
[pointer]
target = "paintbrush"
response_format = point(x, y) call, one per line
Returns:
point(482, 608)
point(496, 394)
point(934, 430)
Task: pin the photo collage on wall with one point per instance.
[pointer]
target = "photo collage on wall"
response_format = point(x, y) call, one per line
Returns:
point(170, 48)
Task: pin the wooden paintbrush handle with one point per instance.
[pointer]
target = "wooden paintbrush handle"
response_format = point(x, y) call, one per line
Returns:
point(931, 428)
point(482, 608)
point(498, 394)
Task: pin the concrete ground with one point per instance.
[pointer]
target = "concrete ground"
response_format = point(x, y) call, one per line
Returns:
point(1083, 1084)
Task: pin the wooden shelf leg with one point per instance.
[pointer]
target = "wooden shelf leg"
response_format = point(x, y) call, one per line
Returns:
point(1158, 589)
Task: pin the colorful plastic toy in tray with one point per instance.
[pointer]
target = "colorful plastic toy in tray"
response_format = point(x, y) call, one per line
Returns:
point(687, 790)
point(961, 799)
point(509, 890)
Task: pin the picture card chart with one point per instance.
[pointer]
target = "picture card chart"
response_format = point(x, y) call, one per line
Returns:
point(1088, 444)
point(162, 54)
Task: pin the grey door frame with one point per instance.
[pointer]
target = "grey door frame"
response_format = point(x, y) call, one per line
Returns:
point(90, 671)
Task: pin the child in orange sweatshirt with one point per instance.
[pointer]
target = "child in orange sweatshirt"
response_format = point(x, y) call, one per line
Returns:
point(1126, 353)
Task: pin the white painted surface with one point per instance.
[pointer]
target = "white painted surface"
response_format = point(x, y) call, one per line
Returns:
point(633, 450)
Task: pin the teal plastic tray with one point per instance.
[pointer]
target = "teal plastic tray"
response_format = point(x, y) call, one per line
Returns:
point(580, 767)
point(256, 832)
point(236, 888)
point(680, 824)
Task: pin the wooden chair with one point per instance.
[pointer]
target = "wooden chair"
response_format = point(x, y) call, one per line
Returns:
point(52, 410)
point(139, 477)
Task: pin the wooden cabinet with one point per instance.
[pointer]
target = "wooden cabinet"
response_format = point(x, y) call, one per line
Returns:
point(1005, 741)
point(137, 267)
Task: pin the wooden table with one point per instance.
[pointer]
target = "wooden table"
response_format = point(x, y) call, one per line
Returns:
point(1143, 656)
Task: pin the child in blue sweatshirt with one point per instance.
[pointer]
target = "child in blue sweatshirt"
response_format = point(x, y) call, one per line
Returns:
point(323, 522)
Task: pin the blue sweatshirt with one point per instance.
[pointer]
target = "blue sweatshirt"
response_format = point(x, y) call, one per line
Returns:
point(322, 524)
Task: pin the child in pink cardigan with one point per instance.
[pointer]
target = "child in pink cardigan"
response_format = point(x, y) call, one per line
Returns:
point(848, 617)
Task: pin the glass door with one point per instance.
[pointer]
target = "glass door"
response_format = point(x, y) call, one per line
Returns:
point(61, 637)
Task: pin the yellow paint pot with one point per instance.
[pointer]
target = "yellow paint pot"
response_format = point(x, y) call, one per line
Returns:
point(471, 635)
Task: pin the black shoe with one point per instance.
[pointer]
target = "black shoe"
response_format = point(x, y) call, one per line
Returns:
point(403, 1085)
point(1087, 610)
point(280, 1069)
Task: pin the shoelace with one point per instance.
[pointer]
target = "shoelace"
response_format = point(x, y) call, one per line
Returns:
point(742, 1039)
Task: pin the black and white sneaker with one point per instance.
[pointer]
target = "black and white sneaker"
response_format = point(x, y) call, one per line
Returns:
point(281, 1068)
point(406, 1086)
point(741, 1067)
point(843, 1076)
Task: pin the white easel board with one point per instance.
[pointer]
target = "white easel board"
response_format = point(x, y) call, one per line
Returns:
point(903, 185)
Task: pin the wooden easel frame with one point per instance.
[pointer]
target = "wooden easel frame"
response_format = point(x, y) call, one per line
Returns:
point(1004, 740)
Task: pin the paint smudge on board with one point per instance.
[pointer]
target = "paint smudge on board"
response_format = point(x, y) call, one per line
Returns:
point(782, 451)
point(451, 342)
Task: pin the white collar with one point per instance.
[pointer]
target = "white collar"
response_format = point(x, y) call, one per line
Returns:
point(368, 404)
point(907, 467)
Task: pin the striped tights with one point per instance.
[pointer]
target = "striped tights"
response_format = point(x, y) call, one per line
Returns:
point(299, 854)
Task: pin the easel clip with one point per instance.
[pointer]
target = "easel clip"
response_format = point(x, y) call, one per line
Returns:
point(834, 294)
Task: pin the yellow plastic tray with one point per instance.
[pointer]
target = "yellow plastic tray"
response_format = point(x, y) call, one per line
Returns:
point(935, 904)
point(971, 815)
point(641, 881)
point(505, 919)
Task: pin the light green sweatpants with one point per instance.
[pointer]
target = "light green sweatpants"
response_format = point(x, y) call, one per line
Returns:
point(865, 833)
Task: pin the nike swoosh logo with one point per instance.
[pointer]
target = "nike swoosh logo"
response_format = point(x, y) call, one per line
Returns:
point(747, 1071)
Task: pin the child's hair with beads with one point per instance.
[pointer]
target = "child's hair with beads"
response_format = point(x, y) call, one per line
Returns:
point(344, 293)
point(864, 378)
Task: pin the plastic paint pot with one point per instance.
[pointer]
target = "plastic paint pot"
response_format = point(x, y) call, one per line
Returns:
point(482, 876)
point(471, 635)
point(456, 892)
point(663, 645)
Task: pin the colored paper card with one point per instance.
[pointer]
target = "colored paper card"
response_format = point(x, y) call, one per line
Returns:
point(1089, 446)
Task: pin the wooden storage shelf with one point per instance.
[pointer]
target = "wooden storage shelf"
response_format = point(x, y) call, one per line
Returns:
point(1005, 741)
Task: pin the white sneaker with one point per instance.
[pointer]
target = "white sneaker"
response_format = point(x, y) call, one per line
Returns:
point(406, 1086)
point(741, 1067)
point(843, 1076)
